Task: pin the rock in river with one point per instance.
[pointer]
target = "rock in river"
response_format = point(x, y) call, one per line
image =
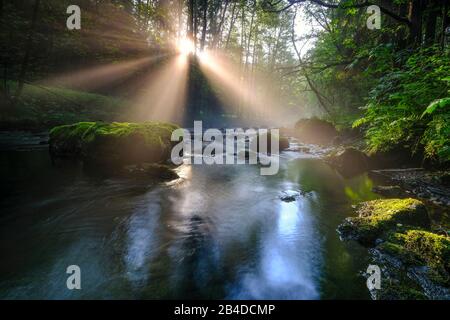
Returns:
point(113, 144)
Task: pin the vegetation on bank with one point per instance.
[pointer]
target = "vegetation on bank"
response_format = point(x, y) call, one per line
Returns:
point(113, 144)
point(410, 105)
point(43, 107)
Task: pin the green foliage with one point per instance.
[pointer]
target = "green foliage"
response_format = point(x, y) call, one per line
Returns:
point(402, 108)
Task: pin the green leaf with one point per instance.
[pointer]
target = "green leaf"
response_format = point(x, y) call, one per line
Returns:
point(437, 104)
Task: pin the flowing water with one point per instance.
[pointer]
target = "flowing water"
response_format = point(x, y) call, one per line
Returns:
point(220, 232)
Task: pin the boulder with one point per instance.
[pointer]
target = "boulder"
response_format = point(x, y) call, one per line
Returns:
point(113, 144)
point(416, 262)
point(349, 162)
point(315, 131)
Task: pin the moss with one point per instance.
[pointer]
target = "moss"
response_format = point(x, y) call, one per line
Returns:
point(419, 247)
point(380, 216)
point(432, 248)
point(113, 143)
point(398, 291)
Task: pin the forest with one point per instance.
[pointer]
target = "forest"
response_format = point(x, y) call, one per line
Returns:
point(363, 86)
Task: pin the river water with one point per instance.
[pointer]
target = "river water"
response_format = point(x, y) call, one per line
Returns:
point(219, 232)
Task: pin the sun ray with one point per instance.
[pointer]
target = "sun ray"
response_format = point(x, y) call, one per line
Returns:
point(251, 97)
point(100, 76)
point(163, 97)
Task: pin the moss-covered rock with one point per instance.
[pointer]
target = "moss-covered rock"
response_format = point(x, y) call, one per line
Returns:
point(379, 216)
point(432, 248)
point(113, 143)
point(315, 131)
point(417, 260)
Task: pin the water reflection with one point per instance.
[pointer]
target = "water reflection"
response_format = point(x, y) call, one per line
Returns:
point(285, 269)
point(220, 232)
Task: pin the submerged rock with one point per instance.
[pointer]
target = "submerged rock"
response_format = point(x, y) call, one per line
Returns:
point(315, 131)
point(379, 216)
point(113, 144)
point(349, 162)
point(290, 196)
point(151, 170)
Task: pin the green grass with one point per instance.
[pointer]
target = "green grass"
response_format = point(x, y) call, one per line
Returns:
point(43, 107)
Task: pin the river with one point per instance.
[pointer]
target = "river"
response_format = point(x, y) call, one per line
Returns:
point(219, 232)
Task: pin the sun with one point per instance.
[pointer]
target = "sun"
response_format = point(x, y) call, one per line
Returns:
point(186, 47)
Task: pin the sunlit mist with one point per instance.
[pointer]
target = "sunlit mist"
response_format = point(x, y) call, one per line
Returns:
point(163, 92)
point(99, 76)
point(244, 91)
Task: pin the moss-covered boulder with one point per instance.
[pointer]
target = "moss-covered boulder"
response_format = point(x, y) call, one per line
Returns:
point(417, 260)
point(115, 144)
point(433, 249)
point(379, 216)
point(315, 131)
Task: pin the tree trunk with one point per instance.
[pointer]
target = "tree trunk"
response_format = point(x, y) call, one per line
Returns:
point(205, 11)
point(430, 29)
point(415, 18)
point(445, 22)
point(190, 28)
point(233, 19)
point(26, 58)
